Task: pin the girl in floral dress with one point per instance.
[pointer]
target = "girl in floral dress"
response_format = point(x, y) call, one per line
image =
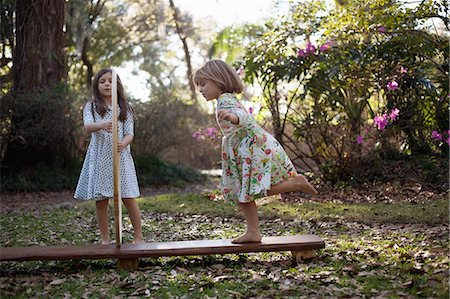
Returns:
point(254, 164)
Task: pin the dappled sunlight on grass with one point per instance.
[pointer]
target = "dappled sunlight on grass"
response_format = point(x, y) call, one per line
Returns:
point(368, 252)
point(430, 212)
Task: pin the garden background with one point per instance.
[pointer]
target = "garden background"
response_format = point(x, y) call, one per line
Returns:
point(357, 92)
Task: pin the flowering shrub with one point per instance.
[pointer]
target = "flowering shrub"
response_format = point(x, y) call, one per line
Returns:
point(311, 49)
point(441, 137)
point(209, 134)
point(392, 85)
point(380, 122)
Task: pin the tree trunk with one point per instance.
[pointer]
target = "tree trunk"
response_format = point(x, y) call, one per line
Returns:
point(39, 59)
point(39, 130)
point(183, 39)
point(87, 63)
point(276, 118)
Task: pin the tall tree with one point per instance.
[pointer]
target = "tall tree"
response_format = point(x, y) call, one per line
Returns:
point(183, 37)
point(81, 19)
point(39, 60)
point(36, 127)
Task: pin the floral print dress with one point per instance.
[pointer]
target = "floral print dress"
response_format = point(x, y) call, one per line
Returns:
point(252, 159)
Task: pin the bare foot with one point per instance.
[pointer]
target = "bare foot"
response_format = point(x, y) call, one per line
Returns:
point(248, 237)
point(138, 241)
point(304, 185)
point(105, 242)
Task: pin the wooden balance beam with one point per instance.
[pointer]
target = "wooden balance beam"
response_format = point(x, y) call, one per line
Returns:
point(301, 246)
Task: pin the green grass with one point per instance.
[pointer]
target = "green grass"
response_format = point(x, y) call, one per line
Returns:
point(372, 250)
point(188, 204)
point(427, 213)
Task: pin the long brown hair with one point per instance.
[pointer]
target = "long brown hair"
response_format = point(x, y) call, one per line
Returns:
point(100, 106)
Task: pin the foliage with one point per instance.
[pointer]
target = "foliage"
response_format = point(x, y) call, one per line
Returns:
point(41, 177)
point(7, 8)
point(153, 171)
point(97, 38)
point(37, 127)
point(368, 57)
point(230, 43)
point(160, 124)
point(398, 49)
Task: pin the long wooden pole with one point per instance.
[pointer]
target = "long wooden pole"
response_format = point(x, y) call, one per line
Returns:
point(116, 163)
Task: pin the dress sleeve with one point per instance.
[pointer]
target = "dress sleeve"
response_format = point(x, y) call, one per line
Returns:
point(231, 104)
point(128, 126)
point(88, 117)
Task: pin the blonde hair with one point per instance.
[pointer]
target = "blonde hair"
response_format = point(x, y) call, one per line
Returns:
point(222, 74)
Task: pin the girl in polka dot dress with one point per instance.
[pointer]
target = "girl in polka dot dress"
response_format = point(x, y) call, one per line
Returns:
point(96, 178)
point(254, 164)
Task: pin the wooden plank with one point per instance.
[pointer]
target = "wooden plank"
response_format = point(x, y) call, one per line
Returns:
point(116, 163)
point(158, 249)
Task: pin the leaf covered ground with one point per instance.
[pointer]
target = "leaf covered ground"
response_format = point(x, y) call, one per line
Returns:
point(374, 248)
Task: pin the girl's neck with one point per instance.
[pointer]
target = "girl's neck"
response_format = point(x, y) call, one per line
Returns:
point(107, 101)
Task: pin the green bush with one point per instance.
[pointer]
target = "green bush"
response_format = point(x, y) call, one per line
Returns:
point(43, 177)
point(37, 128)
point(326, 74)
point(153, 170)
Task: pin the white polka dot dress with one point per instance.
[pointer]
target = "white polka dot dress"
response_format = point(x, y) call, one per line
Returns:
point(96, 178)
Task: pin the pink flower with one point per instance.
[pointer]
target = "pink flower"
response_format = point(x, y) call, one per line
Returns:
point(359, 139)
point(325, 47)
point(197, 135)
point(240, 70)
point(393, 85)
point(382, 29)
point(435, 135)
point(248, 160)
point(211, 132)
point(448, 140)
point(301, 53)
point(310, 49)
point(394, 114)
point(267, 151)
point(250, 110)
point(403, 70)
point(380, 121)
